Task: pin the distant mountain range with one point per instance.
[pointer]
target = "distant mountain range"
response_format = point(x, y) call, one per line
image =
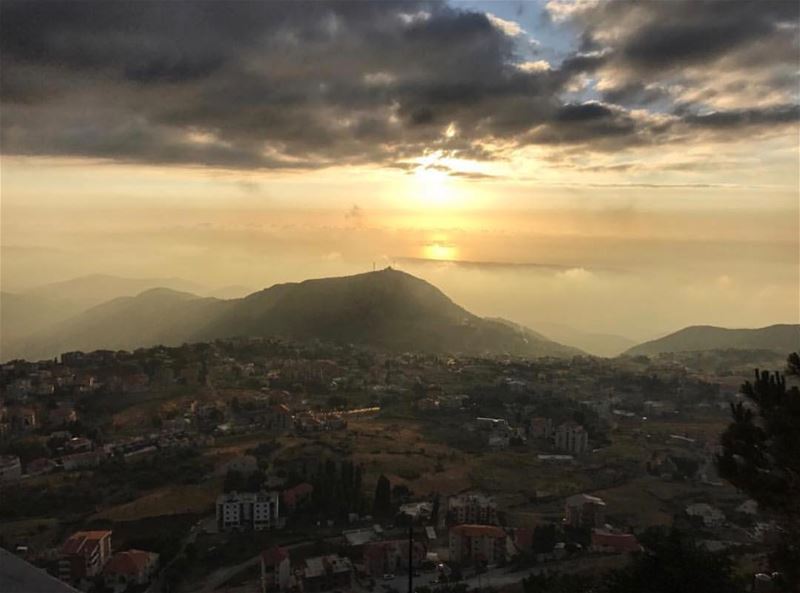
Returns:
point(388, 309)
point(780, 338)
point(99, 288)
point(24, 316)
point(597, 344)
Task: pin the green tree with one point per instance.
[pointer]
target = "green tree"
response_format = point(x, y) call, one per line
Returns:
point(793, 364)
point(544, 538)
point(382, 506)
point(761, 456)
point(673, 563)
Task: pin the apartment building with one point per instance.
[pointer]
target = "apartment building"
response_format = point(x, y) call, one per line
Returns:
point(472, 544)
point(84, 555)
point(247, 510)
point(473, 507)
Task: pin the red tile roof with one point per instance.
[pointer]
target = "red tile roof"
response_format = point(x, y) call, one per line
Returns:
point(130, 562)
point(290, 495)
point(81, 542)
point(621, 542)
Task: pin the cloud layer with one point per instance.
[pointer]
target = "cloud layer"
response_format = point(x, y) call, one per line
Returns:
point(257, 85)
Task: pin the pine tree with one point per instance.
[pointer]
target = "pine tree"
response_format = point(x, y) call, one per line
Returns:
point(382, 507)
point(761, 456)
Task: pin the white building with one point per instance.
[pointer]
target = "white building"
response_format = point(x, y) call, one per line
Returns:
point(711, 517)
point(473, 507)
point(572, 437)
point(583, 510)
point(247, 510)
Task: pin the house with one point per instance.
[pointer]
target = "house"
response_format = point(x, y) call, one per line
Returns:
point(326, 573)
point(296, 496)
point(473, 507)
point(541, 428)
point(390, 556)
point(417, 510)
point(10, 468)
point(40, 466)
point(493, 424)
point(131, 567)
point(275, 569)
point(24, 419)
point(469, 544)
point(658, 408)
point(612, 542)
point(710, 516)
point(571, 436)
point(247, 510)
point(82, 460)
point(84, 555)
point(78, 445)
point(62, 415)
point(135, 383)
point(582, 510)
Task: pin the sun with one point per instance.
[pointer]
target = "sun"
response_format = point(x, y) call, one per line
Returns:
point(433, 187)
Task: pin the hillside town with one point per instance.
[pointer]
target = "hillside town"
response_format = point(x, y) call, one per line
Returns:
point(256, 465)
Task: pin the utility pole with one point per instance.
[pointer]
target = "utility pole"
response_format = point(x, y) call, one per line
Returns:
point(410, 554)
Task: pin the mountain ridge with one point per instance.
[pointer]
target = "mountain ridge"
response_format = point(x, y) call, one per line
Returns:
point(780, 337)
point(387, 309)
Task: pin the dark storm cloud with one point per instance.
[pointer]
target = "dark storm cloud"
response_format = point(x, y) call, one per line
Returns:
point(307, 85)
point(782, 114)
point(691, 42)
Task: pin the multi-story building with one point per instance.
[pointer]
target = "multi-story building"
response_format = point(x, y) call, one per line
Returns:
point(473, 507)
point(10, 468)
point(326, 573)
point(391, 556)
point(572, 437)
point(582, 510)
point(247, 510)
point(275, 570)
point(84, 555)
point(477, 544)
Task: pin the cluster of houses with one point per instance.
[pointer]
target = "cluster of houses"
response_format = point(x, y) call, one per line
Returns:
point(77, 452)
point(569, 438)
point(87, 555)
point(475, 537)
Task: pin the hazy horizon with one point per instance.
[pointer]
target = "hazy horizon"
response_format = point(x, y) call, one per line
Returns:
point(591, 171)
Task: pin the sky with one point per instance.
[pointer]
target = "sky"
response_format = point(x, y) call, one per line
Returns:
point(620, 167)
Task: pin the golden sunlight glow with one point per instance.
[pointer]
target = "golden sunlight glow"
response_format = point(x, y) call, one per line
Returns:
point(440, 251)
point(433, 187)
